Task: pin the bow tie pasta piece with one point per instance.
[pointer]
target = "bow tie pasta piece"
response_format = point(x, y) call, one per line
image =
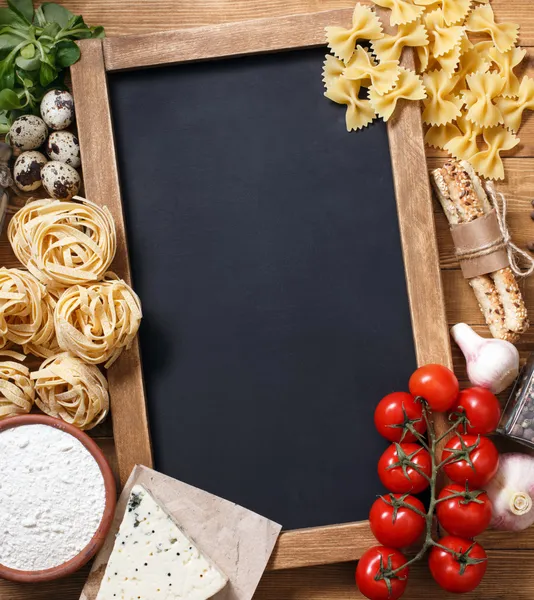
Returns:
point(464, 145)
point(482, 20)
point(409, 86)
point(97, 322)
point(506, 62)
point(442, 37)
point(359, 112)
point(69, 389)
point(441, 106)
point(448, 62)
point(402, 11)
point(332, 69)
point(454, 11)
point(483, 89)
point(471, 61)
point(488, 163)
point(365, 26)
point(22, 307)
point(423, 58)
point(390, 46)
point(439, 135)
point(512, 109)
point(17, 392)
point(363, 68)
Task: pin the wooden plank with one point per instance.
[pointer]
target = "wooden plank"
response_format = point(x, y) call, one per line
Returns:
point(139, 16)
point(129, 414)
point(219, 41)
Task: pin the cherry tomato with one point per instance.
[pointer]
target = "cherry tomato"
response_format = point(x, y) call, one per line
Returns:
point(437, 385)
point(484, 459)
point(465, 516)
point(378, 560)
point(481, 408)
point(452, 571)
point(391, 472)
point(396, 410)
point(397, 526)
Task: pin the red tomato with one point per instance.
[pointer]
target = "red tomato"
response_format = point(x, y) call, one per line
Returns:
point(437, 385)
point(395, 411)
point(484, 459)
point(376, 562)
point(397, 526)
point(391, 472)
point(481, 408)
point(453, 571)
point(465, 516)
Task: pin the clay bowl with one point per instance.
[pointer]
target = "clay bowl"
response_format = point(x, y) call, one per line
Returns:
point(111, 496)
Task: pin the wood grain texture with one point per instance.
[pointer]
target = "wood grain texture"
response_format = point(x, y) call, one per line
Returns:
point(129, 414)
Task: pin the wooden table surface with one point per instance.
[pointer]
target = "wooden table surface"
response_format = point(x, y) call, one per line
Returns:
point(511, 563)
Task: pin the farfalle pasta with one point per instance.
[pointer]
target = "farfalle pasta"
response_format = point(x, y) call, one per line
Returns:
point(359, 111)
point(439, 135)
point(441, 105)
point(488, 162)
point(70, 390)
point(382, 76)
point(409, 86)
point(97, 322)
point(332, 69)
point(365, 26)
point(390, 46)
point(443, 38)
point(483, 89)
point(506, 63)
point(512, 109)
point(17, 392)
point(471, 61)
point(482, 20)
point(402, 11)
point(464, 145)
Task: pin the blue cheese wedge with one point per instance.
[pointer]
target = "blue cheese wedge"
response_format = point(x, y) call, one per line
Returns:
point(152, 558)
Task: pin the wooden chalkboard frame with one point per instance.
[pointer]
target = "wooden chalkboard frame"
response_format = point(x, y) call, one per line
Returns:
point(303, 547)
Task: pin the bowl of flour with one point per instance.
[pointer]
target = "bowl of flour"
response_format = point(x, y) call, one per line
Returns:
point(57, 498)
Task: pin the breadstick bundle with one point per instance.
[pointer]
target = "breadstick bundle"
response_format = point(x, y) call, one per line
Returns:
point(482, 247)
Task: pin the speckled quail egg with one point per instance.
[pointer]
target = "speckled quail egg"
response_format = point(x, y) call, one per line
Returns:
point(61, 181)
point(64, 146)
point(28, 132)
point(27, 170)
point(57, 109)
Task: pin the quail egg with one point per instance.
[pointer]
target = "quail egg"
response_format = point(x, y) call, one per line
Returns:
point(64, 146)
point(27, 170)
point(57, 109)
point(28, 132)
point(61, 181)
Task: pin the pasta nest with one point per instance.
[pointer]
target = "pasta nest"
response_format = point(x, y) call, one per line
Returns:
point(17, 392)
point(64, 243)
point(69, 389)
point(25, 310)
point(97, 322)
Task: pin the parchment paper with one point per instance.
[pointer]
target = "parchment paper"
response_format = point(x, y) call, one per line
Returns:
point(476, 234)
point(237, 540)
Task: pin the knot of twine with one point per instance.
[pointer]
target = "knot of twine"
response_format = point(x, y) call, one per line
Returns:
point(498, 202)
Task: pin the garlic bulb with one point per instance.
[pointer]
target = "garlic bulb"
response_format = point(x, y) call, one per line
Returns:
point(511, 492)
point(491, 363)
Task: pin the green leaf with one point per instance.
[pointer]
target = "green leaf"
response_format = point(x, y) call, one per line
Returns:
point(23, 8)
point(5, 122)
point(98, 32)
point(9, 40)
point(67, 53)
point(7, 73)
point(8, 17)
point(47, 74)
point(51, 29)
point(28, 51)
point(56, 13)
point(9, 100)
point(28, 64)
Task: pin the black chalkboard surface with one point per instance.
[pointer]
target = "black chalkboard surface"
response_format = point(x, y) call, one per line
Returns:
point(264, 245)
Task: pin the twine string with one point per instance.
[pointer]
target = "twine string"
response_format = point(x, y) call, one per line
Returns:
point(515, 254)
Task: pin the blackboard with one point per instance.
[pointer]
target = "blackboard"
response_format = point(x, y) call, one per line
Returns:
point(264, 242)
point(265, 246)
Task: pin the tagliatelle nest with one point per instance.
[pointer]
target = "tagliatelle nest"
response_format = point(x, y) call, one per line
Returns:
point(17, 392)
point(44, 343)
point(69, 389)
point(97, 322)
point(64, 243)
point(24, 309)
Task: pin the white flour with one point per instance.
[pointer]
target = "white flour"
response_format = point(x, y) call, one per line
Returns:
point(52, 497)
